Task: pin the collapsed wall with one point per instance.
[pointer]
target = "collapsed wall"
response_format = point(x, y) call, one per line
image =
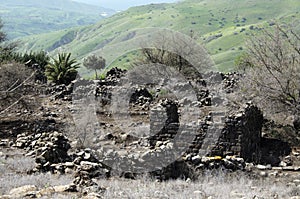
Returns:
point(164, 122)
point(239, 135)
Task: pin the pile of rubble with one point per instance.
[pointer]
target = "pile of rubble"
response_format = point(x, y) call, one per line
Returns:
point(50, 151)
point(231, 163)
point(47, 148)
point(62, 91)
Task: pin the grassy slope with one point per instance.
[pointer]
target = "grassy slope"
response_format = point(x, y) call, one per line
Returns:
point(205, 18)
point(28, 17)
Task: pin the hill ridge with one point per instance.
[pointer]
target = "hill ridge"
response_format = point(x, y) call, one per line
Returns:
point(22, 18)
point(233, 20)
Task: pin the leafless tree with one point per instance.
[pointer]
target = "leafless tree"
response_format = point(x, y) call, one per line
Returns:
point(272, 77)
point(176, 50)
point(15, 85)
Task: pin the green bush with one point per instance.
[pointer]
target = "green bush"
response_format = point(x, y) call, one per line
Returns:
point(62, 70)
point(41, 58)
point(6, 49)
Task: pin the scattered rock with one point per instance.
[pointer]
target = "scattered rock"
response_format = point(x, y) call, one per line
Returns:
point(24, 191)
point(263, 167)
point(48, 148)
point(236, 194)
point(65, 188)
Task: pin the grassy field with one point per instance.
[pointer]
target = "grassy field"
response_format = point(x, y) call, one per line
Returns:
point(221, 26)
point(23, 18)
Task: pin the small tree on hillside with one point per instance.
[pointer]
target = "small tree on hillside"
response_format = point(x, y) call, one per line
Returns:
point(95, 63)
point(6, 49)
point(273, 80)
point(161, 56)
point(2, 34)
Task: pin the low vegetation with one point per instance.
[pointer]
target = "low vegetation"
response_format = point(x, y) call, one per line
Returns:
point(216, 184)
point(62, 70)
point(13, 174)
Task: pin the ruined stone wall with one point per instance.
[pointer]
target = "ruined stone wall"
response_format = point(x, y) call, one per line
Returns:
point(240, 133)
point(164, 122)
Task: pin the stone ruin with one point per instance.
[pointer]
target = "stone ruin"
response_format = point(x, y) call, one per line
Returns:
point(164, 122)
point(239, 132)
point(239, 139)
point(239, 136)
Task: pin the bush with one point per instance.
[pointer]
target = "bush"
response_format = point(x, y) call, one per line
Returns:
point(62, 70)
point(39, 58)
point(34, 60)
point(16, 82)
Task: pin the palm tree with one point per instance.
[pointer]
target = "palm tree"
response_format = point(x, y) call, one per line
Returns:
point(62, 70)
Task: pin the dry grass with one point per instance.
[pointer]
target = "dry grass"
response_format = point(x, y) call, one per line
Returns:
point(210, 185)
point(13, 174)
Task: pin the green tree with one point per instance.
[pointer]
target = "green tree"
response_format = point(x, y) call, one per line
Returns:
point(242, 62)
point(62, 70)
point(2, 34)
point(95, 63)
point(6, 49)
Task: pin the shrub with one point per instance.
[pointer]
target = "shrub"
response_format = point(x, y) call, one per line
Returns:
point(40, 58)
point(171, 51)
point(34, 60)
point(62, 70)
point(16, 82)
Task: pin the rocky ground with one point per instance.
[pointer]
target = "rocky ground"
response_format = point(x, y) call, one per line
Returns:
point(58, 149)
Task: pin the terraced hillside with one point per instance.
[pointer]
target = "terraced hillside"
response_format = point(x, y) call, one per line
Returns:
point(221, 26)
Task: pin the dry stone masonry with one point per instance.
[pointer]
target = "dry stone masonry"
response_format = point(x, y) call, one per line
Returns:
point(222, 138)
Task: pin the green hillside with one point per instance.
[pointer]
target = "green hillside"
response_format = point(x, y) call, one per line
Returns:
point(23, 18)
point(221, 26)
